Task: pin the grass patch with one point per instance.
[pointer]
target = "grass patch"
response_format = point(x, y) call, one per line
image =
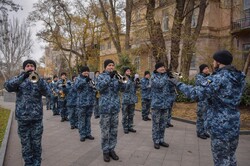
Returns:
point(4, 117)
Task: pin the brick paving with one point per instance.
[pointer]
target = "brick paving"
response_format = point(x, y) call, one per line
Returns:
point(61, 145)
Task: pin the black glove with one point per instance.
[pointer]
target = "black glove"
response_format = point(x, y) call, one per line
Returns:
point(88, 79)
point(173, 81)
point(64, 86)
point(27, 74)
point(112, 74)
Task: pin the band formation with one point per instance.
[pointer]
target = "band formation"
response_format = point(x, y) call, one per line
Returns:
point(75, 100)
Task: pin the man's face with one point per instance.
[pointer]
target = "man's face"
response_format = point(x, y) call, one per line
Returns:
point(29, 67)
point(147, 76)
point(161, 70)
point(110, 67)
point(216, 64)
point(56, 79)
point(85, 73)
point(63, 76)
point(128, 72)
point(205, 70)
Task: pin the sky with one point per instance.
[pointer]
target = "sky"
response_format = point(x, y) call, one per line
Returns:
point(38, 46)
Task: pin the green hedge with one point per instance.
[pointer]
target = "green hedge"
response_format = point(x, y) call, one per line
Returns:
point(4, 117)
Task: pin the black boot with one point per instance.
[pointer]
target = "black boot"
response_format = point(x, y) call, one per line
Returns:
point(90, 137)
point(164, 144)
point(156, 146)
point(113, 155)
point(106, 157)
point(207, 135)
point(202, 136)
point(132, 130)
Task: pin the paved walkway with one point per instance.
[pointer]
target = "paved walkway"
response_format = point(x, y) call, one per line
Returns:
point(61, 146)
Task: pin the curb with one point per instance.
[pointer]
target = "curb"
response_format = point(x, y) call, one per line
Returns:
point(242, 132)
point(5, 139)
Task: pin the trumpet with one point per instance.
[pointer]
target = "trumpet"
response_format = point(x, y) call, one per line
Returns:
point(121, 78)
point(172, 74)
point(34, 77)
point(92, 84)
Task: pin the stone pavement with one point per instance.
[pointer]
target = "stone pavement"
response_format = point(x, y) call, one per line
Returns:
point(61, 145)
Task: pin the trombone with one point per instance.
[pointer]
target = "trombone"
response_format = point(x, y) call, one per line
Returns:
point(34, 77)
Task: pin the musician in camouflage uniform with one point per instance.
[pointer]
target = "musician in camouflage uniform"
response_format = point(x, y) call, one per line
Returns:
point(222, 90)
point(146, 95)
point(160, 104)
point(54, 96)
point(200, 78)
point(29, 112)
point(71, 103)
point(85, 103)
point(48, 98)
point(96, 107)
point(109, 105)
point(61, 91)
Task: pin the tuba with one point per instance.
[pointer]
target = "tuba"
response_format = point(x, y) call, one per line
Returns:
point(34, 77)
point(61, 94)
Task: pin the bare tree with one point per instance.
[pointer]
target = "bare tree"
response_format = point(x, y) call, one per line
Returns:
point(16, 44)
point(128, 10)
point(190, 38)
point(156, 34)
point(247, 64)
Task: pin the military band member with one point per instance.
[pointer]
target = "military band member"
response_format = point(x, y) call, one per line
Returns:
point(85, 103)
point(129, 99)
point(96, 109)
point(223, 90)
point(54, 96)
point(146, 95)
point(61, 91)
point(160, 104)
point(200, 78)
point(71, 102)
point(48, 98)
point(109, 105)
point(29, 111)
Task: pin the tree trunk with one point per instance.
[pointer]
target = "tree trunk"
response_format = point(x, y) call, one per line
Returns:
point(176, 34)
point(191, 38)
point(115, 36)
point(187, 51)
point(129, 6)
point(156, 36)
point(246, 66)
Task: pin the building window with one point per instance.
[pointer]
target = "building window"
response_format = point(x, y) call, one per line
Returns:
point(109, 45)
point(102, 47)
point(246, 49)
point(193, 61)
point(137, 63)
point(194, 21)
point(246, 4)
point(165, 20)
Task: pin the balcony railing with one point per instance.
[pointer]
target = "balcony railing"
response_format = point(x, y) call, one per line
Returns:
point(241, 24)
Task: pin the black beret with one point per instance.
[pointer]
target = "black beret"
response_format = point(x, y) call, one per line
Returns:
point(29, 61)
point(84, 68)
point(158, 65)
point(202, 67)
point(108, 61)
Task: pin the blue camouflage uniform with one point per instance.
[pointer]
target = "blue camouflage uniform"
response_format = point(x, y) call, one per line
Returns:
point(29, 115)
point(85, 105)
point(48, 99)
point(201, 79)
point(109, 107)
point(129, 99)
point(172, 98)
point(223, 91)
point(160, 104)
point(145, 96)
point(61, 91)
point(96, 107)
point(71, 102)
point(54, 98)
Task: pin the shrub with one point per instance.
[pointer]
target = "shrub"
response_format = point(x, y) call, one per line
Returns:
point(245, 100)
